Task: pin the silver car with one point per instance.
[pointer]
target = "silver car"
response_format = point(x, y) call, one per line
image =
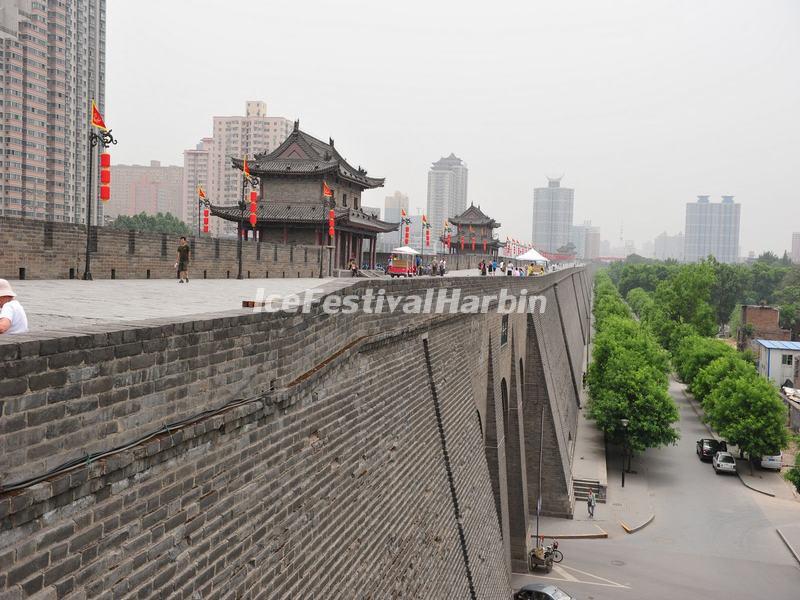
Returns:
point(723, 462)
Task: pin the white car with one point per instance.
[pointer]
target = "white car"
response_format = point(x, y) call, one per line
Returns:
point(723, 462)
point(772, 461)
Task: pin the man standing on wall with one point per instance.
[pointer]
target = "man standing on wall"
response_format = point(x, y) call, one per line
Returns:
point(183, 261)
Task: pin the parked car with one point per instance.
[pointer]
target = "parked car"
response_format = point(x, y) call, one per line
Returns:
point(724, 462)
point(706, 448)
point(772, 461)
point(542, 591)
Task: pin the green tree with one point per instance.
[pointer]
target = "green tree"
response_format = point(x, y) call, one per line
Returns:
point(793, 474)
point(641, 302)
point(694, 353)
point(710, 376)
point(632, 389)
point(158, 223)
point(684, 298)
point(766, 278)
point(731, 283)
point(747, 411)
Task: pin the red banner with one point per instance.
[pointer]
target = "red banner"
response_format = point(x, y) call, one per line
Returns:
point(427, 237)
point(407, 235)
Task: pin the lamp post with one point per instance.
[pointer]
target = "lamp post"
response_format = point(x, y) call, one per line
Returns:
point(624, 446)
point(254, 182)
point(105, 138)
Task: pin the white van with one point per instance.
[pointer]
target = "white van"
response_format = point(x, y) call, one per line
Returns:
point(772, 461)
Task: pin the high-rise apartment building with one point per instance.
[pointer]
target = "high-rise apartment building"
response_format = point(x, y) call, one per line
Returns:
point(146, 188)
point(796, 247)
point(552, 215)
point(447, 193)
point(712, 229)
point(53, 67)
point(247, 135)
point(393, 205)
point(586, 240)
point(196, 173)
point(667, 247)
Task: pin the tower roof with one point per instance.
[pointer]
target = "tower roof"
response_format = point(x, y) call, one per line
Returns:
point(302, 155)
point(473, 216)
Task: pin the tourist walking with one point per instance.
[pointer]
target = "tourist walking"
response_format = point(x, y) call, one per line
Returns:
point(591, 502)
point(12, 316)
point(353, 268)
point(183, 261)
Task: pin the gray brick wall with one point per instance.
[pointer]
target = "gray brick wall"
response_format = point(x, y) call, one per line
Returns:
point(22, 246)
point(335, 446)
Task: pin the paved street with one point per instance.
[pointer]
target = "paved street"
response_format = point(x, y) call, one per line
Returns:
point(711, 538)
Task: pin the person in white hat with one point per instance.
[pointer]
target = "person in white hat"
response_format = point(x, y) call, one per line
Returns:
point(12, 316)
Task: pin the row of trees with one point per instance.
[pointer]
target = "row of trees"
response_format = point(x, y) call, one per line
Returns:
point(741, 405)
point(769, 280)
point(159, 223)
point(628, 377)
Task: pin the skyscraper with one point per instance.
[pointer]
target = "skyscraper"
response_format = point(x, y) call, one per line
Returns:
point(54, 58)
point(712, 229)
point(146, 188)
point(447, 193)
point(552, 215)
point(586, 239)
point(669, 246)
point(237, 137)
point(393, 205)
point(796, 247)
point(196, 173)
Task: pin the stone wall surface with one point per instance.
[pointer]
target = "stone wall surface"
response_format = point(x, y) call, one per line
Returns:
point(33, 249)
point(58, 251)
point(275, 455)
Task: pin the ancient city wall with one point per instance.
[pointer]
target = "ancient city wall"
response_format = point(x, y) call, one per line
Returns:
point(267, 455)
point(33, 249)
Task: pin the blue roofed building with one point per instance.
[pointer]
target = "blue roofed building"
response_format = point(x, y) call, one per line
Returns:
point(779, 361)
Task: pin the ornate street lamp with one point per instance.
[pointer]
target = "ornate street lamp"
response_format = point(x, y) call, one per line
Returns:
point(96, 138)
point(254, 182)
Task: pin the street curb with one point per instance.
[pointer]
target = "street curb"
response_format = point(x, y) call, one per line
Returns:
point(629, 529)
point(788, 545)
point(580, 536)
point(691, 401)
point(752, 487)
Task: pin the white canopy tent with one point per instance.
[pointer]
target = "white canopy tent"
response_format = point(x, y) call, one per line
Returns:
point(532, 256)
point(404, 250)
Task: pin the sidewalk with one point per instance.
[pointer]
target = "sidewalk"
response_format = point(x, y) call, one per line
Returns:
point(590, 451)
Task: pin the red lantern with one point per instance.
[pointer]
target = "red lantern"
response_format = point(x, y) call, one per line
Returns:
point(407, 235)
point(253, 196)
point(105, 176)
point(427, 237)
point(449, 240)
point(253, 219)
point(205, 220)
point(331, 222)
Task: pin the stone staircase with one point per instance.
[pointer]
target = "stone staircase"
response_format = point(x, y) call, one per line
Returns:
point(581, 487)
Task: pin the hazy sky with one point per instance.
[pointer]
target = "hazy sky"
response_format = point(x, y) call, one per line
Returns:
point(642, 105)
